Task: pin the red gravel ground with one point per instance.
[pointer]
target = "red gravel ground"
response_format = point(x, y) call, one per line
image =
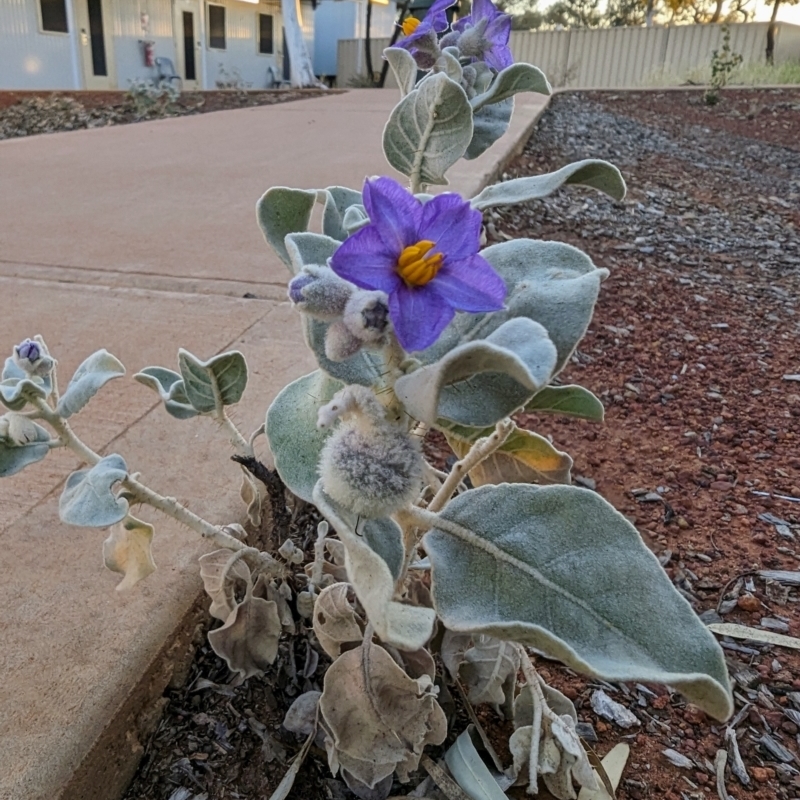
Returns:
point(688, 354)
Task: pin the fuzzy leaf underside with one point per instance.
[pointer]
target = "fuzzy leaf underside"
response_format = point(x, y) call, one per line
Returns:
point(17, 388)
point(88, 499)
point(94, 373)
point(592, 172)
point(170, 388)
point(15, 457)
point(557, 568)
point(281, 211)
point(429, 130)
point(337, 200)
point(517, 78)
point(482, 380)
point(403, 67)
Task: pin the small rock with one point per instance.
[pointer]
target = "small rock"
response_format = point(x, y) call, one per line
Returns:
point(761, 538)
point(748, 603)
point(759, 774)
point(587, 483)
point(721, 485)
point(694, 715)
point(683, 523)
point(604, 706)
point(678, 759)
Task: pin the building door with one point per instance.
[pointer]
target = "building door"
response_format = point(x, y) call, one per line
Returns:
point(188, 43)
point(96, 45)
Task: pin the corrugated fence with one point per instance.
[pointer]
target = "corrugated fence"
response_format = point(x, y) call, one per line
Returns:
point(609, 58)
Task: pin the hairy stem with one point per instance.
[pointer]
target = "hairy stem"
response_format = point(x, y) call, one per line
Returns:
point(143, 494)
point(479, 451)
point(239, 443)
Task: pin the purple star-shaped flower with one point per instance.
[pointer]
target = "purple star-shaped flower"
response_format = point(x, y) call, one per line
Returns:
point(424, 257)
point(484, 34)
point(421, 36)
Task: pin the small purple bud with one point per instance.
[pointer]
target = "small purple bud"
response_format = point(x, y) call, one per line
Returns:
point(29, 350)
point(296, 286)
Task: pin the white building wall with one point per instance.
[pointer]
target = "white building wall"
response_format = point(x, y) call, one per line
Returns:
point(126, 33)
point(29, 58)
point(240, 58)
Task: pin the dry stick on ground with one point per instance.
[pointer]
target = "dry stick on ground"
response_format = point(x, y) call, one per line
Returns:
point(275, 488)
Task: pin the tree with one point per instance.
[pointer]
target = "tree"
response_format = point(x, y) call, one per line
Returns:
point(574, 14)
point(773, 26)
point(524, 14)
point(620, 13)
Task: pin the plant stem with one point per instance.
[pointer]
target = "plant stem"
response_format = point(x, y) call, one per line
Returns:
point(479, 451)
point(168, 505)
point(239, 443)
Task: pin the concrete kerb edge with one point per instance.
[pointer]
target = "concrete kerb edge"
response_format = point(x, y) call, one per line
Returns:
point(113, 758)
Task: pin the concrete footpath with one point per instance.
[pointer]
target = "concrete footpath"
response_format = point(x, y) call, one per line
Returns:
point(142, 238)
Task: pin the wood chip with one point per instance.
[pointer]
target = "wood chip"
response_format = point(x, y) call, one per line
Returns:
point(678, 759)
point(782, 576)
point(607, 708)
point(737, 765)
point(719, 767)
point(754, 635)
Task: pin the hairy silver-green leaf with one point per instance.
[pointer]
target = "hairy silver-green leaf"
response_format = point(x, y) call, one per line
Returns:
point(281, 211)
point(488, 665)
point(294, 439)
point(88, 500)
point(127, 550)
point(489, 124)
point(89, 378)
point(429, 130)
point(309, 249)
point(571, 401)
point(404, 626)
point(21, 447)
point(404, 68)
point(497, 373)
point(591, 172)
point(354, 218)
point(557, 568)
point(170, 388)
point(450, 65)
point(338, 199)
point(18, 388)
point(518, 77)
point(551, 283)
point(211, 385)
point(471, 774)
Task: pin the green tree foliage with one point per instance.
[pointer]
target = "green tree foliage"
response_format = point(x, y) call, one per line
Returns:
point(574, 14)
point(525, 15)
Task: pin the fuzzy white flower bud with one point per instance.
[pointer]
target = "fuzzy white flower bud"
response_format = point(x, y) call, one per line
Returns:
point(368, 465)
point(340, 343)
point(366, 315)
point(32, 357)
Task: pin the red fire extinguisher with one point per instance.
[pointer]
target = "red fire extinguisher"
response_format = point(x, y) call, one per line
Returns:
point(149, 53)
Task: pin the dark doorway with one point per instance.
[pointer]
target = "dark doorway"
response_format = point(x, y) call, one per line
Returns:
point(287, 71)
point(188, 46)
point(95, 8)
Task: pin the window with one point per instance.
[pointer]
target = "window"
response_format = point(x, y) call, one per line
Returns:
point(216, 27)
point(54, 16)
point(265, 43)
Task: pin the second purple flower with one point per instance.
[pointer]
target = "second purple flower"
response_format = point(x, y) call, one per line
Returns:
point(424, 257)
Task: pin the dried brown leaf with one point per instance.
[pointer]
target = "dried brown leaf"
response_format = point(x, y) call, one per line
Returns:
point(379, 719)
point(127, 550)
point(248, 641)
point(219, 581)
point(336, 621)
